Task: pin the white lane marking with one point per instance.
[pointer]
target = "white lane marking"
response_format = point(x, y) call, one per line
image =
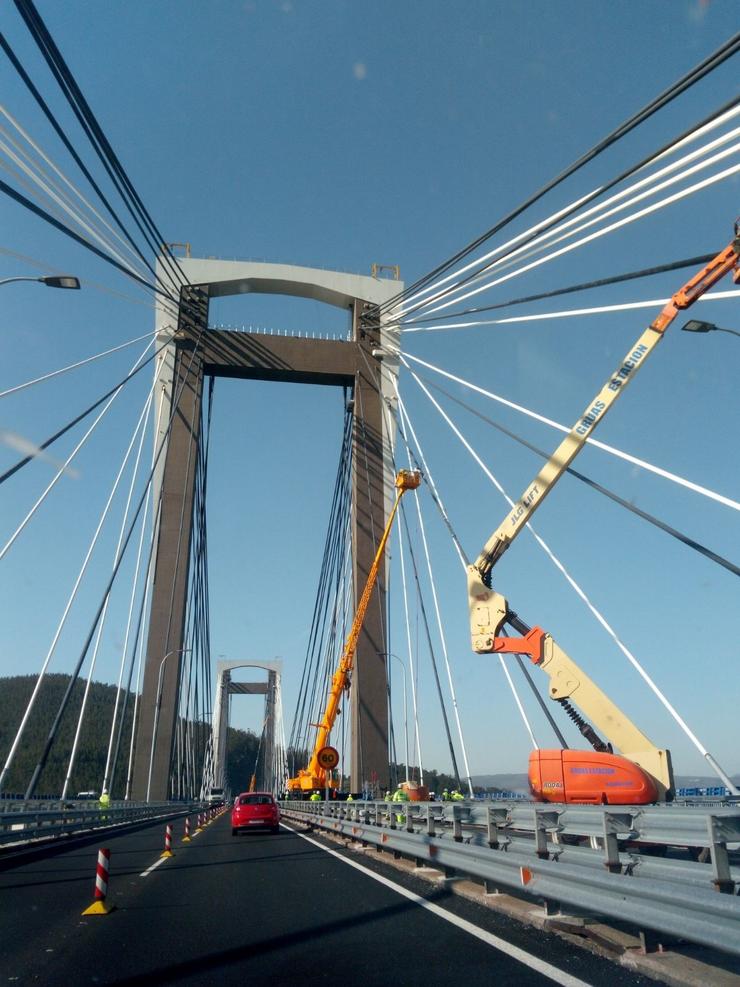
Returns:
point(157, 862)
point(546, 969)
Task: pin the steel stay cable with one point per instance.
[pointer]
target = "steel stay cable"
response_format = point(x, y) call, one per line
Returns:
point(60, 133)
point(650, 518)
point(47, 217)
point(430, 645)
point(73, 677)
point(75, 421)
point(612, 450)
point(70, 185)
point(597, 234)
point(324, 659)
point(73, 366)
point(296, 731)
point(140, 431)
point(389, 410)
point(42, 181)
point(431, 486)
point(692, 262)
point(580, 592)
point(725, 51)
point(90, 126)
point(338, 510)
point(617, 203)
point(108, 772)
point(50, 652)
point(404, 423)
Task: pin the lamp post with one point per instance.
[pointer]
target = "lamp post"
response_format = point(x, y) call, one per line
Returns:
point(389, 654)
point(157, 704)
point(51, 280)
point(696, 325)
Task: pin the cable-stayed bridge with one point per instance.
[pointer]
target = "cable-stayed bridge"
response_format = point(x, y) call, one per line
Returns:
point(113, 511)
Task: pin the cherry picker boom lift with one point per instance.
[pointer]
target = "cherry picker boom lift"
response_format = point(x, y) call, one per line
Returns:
point(643, 772)
point(315, 776)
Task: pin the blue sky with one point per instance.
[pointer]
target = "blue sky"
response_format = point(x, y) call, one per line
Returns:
point(341, 134)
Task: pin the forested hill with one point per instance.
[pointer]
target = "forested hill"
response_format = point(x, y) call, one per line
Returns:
point(93, 746)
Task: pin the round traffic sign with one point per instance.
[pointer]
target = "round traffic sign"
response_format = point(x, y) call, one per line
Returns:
point(328, 757)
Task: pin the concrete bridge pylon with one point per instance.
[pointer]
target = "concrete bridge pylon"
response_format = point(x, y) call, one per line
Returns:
point(196, 352)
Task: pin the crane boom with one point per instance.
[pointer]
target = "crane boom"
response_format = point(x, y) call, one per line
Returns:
point(315, 776)
point(479, 573)
point(643, 773)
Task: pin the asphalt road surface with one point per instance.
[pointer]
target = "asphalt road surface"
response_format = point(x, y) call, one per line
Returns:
point(261, 908)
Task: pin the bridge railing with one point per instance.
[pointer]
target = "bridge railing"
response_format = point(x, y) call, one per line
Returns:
point(671, 869)
point(25, 822)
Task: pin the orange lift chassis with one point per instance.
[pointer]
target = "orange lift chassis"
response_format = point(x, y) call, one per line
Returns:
point(314, 776)
point(641, 773)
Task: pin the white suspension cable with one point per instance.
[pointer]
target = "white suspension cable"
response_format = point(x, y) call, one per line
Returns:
point(55, 640)
point(592, 608)
point(399, 311)
point(139, 430)
point(62, 201)
point(405, 307)
point(700, 132)
point(464, 564)
point(412, 671)
point(602, 211)
point(74, 366)
point(625, 221)
point(443, 640)
point(612, 450)
point(517, 700)
point(69, 459)
point(713, 296)
point(409, 652)
point(134, 584)
point(39, 151)
point(429, 476)
point(149, 580)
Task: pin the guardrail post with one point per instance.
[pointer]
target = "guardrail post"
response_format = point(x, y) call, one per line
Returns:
point(545, 820)
point(614, 823)
point(457, 823)
point(497, 817)
point(722, 877)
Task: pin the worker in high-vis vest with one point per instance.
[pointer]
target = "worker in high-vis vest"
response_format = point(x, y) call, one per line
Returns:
point(400, 795)
point(457, 796)
point(349, 798)
point(315, 797)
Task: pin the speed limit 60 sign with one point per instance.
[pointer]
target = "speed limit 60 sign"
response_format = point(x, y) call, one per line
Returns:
point(328, 757)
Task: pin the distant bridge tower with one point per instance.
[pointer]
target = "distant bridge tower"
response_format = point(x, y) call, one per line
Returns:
point(225, 688)
point(355, 363)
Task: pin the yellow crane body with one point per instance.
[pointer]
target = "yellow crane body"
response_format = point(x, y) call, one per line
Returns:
point(314, 776)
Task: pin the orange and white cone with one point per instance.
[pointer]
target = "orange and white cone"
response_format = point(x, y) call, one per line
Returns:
point(186, 837)
point(167, 852)
point(99, 905)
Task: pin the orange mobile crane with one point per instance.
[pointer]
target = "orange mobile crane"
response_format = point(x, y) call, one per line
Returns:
point(643, 772)
point(315, 776)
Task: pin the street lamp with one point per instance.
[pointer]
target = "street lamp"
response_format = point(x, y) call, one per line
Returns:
point(389, 654)
point(696, 325)
point(51, 281)
point(157, 704)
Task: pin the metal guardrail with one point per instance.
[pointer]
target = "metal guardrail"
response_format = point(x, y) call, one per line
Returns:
point(26, 822)
point(596, 858)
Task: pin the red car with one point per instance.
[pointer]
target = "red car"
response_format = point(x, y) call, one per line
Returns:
point(253, 810)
